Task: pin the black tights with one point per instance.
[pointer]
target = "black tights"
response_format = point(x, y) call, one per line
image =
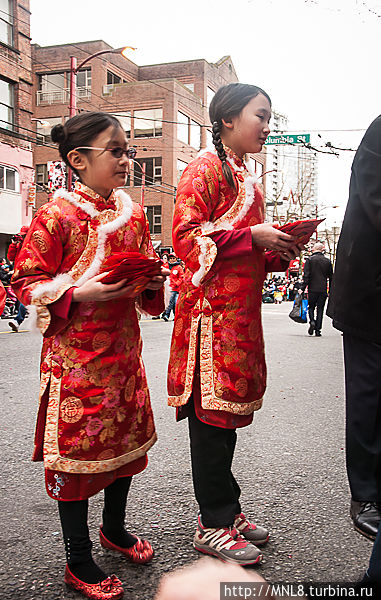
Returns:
point(73, 515)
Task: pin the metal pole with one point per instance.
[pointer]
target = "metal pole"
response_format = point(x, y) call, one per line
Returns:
point(143, 183)
point(72, 106)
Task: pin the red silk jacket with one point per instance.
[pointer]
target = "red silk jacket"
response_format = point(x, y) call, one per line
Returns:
point(221, 298)
point(98, 416)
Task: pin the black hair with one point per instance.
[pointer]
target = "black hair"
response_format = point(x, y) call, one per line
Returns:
point(228, 102)
point(81, 130)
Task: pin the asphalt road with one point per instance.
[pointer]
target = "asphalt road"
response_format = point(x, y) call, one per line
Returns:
point(289, 463)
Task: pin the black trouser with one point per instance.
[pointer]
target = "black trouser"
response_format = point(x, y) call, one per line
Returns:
point(316, 300)
point(216, 490)
point(363, 417)
point(73, 515)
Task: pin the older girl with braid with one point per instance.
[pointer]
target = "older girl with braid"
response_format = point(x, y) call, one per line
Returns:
point(217, 370)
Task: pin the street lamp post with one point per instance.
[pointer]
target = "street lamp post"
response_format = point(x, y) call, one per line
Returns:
point(74, 68)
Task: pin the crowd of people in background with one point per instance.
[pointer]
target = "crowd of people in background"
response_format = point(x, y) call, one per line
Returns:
point(13, 310)
point(277, 289)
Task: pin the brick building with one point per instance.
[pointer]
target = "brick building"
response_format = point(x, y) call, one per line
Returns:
point(16, 134)
point(162, 107)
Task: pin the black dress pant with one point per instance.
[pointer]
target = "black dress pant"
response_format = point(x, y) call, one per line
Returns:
point(316, 300)
point(363, 417)
point(216, 490)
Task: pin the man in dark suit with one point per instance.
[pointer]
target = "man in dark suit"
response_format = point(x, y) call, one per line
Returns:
point(355, 307)
point(317, 271)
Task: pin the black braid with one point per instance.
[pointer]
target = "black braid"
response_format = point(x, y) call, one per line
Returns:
point(216, 135)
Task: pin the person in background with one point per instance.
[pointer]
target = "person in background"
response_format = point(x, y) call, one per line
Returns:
point(317, 272)
point(355, 308)
point(175, 280)
point(13, 251)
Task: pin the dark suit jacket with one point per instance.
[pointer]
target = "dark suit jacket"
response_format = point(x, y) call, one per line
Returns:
point(317, 271)
point(355, 297)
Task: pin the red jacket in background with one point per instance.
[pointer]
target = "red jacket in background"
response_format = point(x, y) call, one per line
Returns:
point(176, 278)
point(15, 246)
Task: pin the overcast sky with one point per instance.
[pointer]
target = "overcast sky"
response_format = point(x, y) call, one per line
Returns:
point(317, 59)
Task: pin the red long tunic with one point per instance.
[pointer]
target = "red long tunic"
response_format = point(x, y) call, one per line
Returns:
point(94, 415)
point(221, 296)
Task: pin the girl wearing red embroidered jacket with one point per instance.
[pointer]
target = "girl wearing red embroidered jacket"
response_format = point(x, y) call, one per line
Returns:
point(95, 422)
point(217, 371)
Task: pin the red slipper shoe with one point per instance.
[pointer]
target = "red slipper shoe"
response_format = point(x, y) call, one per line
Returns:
point(141, 552)
point(108, 589)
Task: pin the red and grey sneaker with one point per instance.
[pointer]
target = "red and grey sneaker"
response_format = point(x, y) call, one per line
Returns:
point(253, 533)
point(226, 544)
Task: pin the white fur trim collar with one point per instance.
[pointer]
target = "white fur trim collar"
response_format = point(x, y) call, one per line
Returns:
point(103, 231)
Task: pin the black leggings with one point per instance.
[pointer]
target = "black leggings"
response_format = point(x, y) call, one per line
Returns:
point(73, 515)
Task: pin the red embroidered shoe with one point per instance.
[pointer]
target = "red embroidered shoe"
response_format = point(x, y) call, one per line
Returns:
point(108, 589)
point(141, 552)
point(253, 533)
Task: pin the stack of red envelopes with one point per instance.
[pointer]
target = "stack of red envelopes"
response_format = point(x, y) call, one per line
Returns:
point(301, 230)
point(131, 266)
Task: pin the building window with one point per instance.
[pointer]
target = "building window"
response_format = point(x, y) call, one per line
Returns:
point(44, 127)
point(194, 134)
point(154, 218)
point(182, 127)
point(83, 79)
point(9, 179)
point(209, 139)
point(53, 88)
point(6, 22)
point(42, 175)
point(113, 79)
point(125, 121)
point(153, 171)
point(7, 105)
point(188, 131)
point(148, 123)
point(209, 96)
point(181, 166)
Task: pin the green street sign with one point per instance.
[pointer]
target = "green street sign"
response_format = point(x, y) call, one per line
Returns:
point(295, 138)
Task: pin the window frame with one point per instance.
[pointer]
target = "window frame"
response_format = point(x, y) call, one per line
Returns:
point(155, 220)
point(44, 172)
point(4, 179)
point(8, 19)
point(157, 129)
point(9, 124)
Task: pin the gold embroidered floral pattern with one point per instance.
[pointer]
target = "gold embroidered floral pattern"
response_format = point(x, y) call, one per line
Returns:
point(71, 410)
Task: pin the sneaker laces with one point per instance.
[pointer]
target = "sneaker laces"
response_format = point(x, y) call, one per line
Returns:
point(242, 523)
point(227, 538)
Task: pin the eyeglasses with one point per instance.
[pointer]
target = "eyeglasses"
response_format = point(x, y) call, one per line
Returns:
point(116, 152)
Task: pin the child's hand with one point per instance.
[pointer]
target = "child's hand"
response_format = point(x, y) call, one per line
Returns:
point(292, 252)
point(96, 291)
point(269, 237)
point(158, 281)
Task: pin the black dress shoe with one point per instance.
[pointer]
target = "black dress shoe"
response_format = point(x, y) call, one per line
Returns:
point(311, 328)
point(317, 333)
point(366, 518)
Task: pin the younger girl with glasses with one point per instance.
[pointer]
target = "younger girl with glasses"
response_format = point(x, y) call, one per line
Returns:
point(95, 422)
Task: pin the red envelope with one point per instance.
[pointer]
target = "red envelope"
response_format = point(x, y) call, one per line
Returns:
point(136, 268)
point(301, 230)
